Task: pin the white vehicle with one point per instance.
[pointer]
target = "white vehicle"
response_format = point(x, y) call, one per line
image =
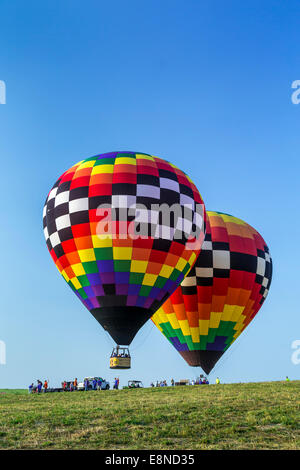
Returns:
point(104, 384)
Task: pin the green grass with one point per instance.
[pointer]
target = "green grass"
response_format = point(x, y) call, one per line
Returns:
point(236, 416)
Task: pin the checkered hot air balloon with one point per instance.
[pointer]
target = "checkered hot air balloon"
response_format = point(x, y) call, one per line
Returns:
point(221, 294)
point(122, 278)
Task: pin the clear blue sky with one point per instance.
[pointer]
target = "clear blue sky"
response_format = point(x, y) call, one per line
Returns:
point(204, 84)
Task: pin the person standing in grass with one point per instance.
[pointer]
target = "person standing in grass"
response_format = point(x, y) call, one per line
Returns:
point(75, 383)
point(30, 388)
point(45, 386)
point(217, 380)
point(94, 384)
point(116, 384)
point(39, 386)
point(99, 382)
point(86, 385)
point(172, 382)
point(287, 379)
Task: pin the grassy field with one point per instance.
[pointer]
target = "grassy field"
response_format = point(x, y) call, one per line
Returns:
point(237, 416)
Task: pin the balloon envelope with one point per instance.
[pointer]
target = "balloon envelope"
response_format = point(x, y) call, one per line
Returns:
point(92, 221)
point(221, 294)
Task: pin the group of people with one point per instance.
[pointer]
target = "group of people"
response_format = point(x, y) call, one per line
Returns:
point(95, 384)
point(119, 355)
point(200, 381)
point(69, 386)
point(162, 383)
point(39, 387)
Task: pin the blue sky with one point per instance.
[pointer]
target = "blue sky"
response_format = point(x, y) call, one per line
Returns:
point(206, 85)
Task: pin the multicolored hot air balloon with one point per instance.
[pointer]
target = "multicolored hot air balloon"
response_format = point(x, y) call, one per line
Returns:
point(114, 245)
point(221, 294)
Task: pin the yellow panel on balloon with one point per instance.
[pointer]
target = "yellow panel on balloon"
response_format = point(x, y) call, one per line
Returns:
point(173, 320)
point(87, 255)
point(120, 252)
point(215, 318)
point(195, 334)
point(185, 328)
point(102, 169)
point(78, 269)
point(99, 242)
point(76, 283)
point(125, 161)
point(203, 327)
point(232, 313)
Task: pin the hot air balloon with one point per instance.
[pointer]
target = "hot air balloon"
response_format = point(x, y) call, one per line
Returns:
point(114, 244)
point(221, 294)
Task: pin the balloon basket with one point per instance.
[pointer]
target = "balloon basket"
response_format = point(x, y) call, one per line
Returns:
point(120, 358)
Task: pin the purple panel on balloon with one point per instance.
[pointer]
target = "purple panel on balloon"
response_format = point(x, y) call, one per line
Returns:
point(93, 279)
point(161, 294)
point(134, 289)
point(107, 155)
point(218, 345)
point(87, 303)
point(154, 293)
point(169, 285)
point(105, 266)
point(89, 291)
point(94, 302)
point(148, 302)
point(178, 345)
point(98, 290)
point(131, 300)
point(122, 289)
point(122, 278)
point(108, 278)
point(141, 301)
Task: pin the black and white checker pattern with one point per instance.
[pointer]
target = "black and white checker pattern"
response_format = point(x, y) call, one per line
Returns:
point(216, 261)
point(264, 271)
point(66, 207)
